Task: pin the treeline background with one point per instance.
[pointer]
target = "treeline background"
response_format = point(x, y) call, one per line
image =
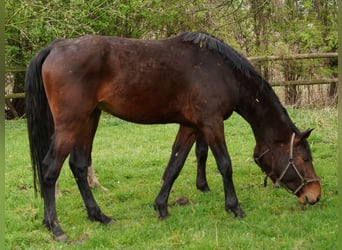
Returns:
point(253, 27)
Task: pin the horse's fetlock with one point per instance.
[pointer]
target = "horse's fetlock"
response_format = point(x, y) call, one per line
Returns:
point(232, 204)
point(49, 181)
point(162, 209)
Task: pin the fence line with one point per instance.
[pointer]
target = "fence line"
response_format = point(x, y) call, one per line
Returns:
point(304, 82)
point(293, 57)
point(15, 96)
point(251, 59)
point(274, 84)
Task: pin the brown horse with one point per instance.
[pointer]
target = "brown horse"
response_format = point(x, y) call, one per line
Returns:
point(194, 80)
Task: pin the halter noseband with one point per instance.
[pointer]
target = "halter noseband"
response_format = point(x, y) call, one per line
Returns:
point(291, 163)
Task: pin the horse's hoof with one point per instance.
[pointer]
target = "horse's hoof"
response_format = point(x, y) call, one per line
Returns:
point(61, 238)
point(98, 186)
point(163, 216)
point(204, 189)
point(97, 215)
point(239, 213)
point(57, 232)
point(102, 188)
point(109, 222)
point(163, 213)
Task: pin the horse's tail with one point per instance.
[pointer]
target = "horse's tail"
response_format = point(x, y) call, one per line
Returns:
point(39, 118)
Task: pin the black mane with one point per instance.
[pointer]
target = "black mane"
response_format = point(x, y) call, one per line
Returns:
point(237, 61)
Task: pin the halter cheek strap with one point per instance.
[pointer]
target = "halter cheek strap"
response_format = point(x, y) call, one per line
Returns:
point(257, 160)
point(290, 164)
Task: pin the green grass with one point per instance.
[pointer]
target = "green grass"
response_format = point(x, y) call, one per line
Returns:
point(129, 160)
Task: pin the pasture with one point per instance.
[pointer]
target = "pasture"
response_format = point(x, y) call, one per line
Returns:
point(130, 159)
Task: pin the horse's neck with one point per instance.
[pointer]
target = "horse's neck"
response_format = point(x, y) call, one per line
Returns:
point(268, 119)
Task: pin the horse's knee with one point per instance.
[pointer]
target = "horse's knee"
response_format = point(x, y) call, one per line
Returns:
point(50, 180)
point(225, 167)
point(51, 175)
point(202, 156)
point(79, 170)
point(79, 163)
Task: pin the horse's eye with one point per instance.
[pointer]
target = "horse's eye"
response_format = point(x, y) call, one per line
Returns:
point(306, 159)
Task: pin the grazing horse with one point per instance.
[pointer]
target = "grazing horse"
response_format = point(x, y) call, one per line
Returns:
point(194, 79)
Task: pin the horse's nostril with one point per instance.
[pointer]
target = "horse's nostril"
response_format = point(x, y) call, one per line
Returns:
point(311, 202)
point(306, 200)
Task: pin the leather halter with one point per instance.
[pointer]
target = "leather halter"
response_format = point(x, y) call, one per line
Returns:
point(290, 164)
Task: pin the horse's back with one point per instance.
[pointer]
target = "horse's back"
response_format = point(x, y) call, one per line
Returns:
point(144, 81)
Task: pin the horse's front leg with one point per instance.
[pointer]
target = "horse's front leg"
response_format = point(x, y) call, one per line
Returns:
point(92, 181)
point(180, 149)
point(80, 159)
point(214, 135)
point(79, 166)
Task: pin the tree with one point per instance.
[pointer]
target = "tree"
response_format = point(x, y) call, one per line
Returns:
point(254, 27)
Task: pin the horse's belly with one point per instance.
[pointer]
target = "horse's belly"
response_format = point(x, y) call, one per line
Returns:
point(142, 112)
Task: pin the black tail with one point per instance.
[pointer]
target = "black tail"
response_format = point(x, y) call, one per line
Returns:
point(39, 118)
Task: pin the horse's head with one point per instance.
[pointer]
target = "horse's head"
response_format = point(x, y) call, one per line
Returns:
point(290, 165)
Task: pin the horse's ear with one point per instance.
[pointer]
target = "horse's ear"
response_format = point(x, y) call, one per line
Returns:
point(304, 135)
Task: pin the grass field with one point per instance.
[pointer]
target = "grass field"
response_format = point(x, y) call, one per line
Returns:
point(130, 159)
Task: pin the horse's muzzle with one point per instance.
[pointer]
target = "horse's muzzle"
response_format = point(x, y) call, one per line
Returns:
point(311, 194)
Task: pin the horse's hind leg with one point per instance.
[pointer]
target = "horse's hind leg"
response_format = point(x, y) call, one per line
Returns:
point(201, 155)
point(58, 151)
point(180, 149)
point(80, 160)
point(92, 179)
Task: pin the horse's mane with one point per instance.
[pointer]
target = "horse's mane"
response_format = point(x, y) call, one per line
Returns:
point(235, 60)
